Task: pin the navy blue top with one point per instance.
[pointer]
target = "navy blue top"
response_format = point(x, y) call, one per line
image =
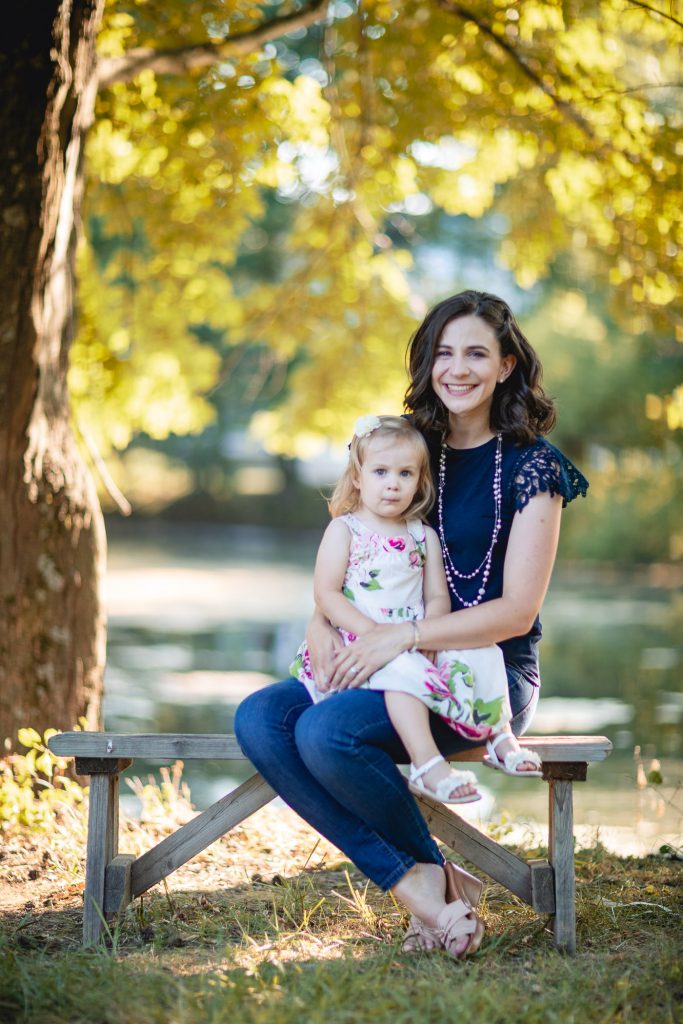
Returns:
point(469, 516)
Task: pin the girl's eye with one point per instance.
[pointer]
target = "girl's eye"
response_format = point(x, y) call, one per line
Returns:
point(406, 472)
point(380, 472)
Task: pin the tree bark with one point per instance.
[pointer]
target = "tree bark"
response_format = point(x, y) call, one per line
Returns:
point(51, 530)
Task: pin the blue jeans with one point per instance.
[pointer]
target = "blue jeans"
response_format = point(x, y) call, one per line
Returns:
point(335, 763)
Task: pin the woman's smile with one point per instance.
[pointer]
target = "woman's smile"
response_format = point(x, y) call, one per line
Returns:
point(459, 389)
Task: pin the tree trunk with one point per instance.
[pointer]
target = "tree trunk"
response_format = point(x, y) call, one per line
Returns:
point(51, 531)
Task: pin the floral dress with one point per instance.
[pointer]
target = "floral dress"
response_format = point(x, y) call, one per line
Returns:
point(384, 579)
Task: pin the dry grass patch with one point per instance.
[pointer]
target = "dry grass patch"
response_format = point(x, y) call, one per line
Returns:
point(271, 924)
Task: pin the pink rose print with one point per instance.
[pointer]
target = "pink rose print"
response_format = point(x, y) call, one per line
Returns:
point(472, 732)
point(397, 542)
point(415, 559)
point(435, 683)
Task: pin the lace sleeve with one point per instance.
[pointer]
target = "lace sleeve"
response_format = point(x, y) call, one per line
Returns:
point(544, 468)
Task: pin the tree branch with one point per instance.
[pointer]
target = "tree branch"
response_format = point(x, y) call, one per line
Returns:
point(562, 105)
point(656, 10)
point(632, 89)
point(119, 498)
point(200, 55)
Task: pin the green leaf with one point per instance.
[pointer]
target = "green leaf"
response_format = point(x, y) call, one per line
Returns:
point(30, 738)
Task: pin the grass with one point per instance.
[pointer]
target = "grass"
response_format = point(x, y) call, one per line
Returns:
point(270, 925)
point(281, 974)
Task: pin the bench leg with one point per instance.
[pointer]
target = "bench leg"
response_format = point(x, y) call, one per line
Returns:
point(103, 842)
point(103, 837)
point(561, 853)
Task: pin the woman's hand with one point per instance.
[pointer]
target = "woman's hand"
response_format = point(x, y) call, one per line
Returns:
point(323, 641)
point(354, 664)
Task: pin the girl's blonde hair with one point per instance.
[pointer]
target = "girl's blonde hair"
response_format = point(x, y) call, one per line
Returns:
point(346, 496)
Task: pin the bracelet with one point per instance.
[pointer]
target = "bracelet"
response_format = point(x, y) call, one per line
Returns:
point(416, 638)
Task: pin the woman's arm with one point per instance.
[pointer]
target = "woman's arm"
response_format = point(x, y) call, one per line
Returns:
point(435, 587)
point(322, 640)
point(529, 560)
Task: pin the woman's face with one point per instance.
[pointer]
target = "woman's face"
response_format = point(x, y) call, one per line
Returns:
point(468, 366)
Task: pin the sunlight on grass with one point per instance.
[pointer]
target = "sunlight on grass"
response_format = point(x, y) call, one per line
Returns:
point(271, 924)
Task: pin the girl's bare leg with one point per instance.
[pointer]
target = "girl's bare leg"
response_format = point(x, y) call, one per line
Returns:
point(410, 718)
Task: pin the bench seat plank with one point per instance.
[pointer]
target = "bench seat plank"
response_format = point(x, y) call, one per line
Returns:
point(222, 747)
point(150, 746)
point(563, 749)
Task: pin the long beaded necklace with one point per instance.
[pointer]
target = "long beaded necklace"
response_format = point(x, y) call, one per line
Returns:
point(453, 574)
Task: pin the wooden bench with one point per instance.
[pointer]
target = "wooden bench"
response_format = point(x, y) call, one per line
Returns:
point(112, 879)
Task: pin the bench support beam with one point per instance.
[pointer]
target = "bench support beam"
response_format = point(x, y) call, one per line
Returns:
point(117, 894)
point(174, 851)
point(500, 864)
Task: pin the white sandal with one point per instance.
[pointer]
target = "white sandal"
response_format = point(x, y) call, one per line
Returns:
point(512, 760)
point(445, 786)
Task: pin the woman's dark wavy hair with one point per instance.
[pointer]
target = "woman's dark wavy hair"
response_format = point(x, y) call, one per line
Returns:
point(520, 408)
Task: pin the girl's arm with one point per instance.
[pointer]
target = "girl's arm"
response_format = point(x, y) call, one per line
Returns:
point(328, 580)
point(528, 564)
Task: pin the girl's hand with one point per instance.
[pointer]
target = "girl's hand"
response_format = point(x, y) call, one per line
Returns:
point(323, 640)
point(354, 664)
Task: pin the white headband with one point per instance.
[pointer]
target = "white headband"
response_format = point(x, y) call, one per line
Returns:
point(365, 425)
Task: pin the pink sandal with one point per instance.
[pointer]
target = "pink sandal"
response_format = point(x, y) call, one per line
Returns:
point(457, 920)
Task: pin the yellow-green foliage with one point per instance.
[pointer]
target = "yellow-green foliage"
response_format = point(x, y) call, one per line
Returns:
point(164, 803)
point(560, 116)
point(33, 788)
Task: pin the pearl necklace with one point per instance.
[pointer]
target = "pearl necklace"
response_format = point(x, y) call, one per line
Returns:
point(485, 565)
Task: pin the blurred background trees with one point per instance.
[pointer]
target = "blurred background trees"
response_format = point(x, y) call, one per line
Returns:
point(267, 219)
point(275, 194)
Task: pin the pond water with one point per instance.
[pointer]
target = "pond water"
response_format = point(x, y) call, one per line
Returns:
point(201, 616)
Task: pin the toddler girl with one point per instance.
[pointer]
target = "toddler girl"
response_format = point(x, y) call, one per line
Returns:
point(378, 562)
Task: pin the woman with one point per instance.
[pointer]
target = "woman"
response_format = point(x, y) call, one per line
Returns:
point(475, 393)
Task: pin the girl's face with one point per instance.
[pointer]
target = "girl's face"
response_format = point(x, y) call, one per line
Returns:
point(389, 477)
point(468, 366)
